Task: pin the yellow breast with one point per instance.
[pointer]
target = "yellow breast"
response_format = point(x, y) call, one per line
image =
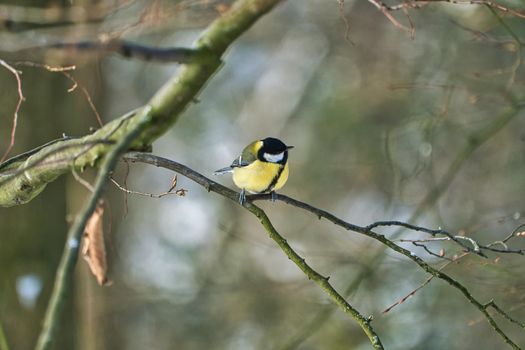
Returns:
point(258, 176)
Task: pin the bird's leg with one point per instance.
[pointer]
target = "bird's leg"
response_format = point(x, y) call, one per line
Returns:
point(242, 197)
point(274, 196)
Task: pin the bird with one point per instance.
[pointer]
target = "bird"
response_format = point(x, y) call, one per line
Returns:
point(262, 167)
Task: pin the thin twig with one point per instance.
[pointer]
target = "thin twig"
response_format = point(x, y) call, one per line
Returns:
point(426, 249)
point(65, 71)
point(345, 20)
point(21, 99)
point(385, 11)
point(180, 192)
point(421, 286)
point(434, 232)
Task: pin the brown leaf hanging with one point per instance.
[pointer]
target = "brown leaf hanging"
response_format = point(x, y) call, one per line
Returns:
point(94, 249)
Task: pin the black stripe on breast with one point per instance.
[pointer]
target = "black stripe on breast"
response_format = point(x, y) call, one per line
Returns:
point(274, 180)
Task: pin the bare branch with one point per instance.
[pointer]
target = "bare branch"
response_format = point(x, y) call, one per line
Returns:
point(322, 281)
point(427, 281)
point(228, 193)
point(434, 232)
point(180, 192)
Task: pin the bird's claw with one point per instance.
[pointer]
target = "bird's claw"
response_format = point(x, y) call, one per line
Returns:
point(242, 197)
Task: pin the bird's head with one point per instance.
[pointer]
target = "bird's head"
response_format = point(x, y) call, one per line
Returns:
point(273, 150)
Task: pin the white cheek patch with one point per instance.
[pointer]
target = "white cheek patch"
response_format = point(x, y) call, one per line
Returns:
point(273, 158)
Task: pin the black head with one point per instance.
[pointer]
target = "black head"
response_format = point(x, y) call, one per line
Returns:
point(273, 150)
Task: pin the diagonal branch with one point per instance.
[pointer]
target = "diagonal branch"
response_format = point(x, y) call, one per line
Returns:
point(321, 280)
point(230, 194)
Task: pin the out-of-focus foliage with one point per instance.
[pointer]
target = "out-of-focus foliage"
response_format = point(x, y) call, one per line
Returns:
point(376, 125)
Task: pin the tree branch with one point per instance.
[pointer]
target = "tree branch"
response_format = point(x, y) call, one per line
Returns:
point(321, 280)
point(166, 106)
point(228, 193)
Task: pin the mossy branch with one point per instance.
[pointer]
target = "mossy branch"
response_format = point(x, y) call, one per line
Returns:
point(23, 180)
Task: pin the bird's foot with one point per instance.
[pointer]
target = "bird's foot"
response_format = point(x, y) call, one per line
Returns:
point(274, 196)
point(242, 197)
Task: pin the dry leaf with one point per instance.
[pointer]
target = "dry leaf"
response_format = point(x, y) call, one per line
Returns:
point(94, 249)
point(173, 183)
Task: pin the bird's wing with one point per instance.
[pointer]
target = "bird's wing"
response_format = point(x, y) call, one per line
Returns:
point(238, 162)
point(248, 156)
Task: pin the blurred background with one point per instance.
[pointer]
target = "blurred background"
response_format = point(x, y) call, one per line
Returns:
point(386, 126)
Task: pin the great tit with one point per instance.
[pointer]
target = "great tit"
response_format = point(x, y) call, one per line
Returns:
point(262, 167)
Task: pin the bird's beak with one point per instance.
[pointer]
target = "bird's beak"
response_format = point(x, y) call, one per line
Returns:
point(289, 147)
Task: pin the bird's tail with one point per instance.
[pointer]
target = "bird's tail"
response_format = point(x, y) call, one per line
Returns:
point(223, 171)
